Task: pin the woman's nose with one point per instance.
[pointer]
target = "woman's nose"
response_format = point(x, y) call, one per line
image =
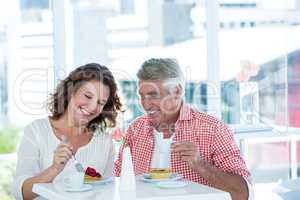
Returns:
point(94, 106)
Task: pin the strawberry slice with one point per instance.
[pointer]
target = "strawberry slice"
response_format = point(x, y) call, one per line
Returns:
point(92, 172)
point(98, 174)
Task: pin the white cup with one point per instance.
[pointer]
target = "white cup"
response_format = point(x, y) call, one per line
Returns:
point(74, 181)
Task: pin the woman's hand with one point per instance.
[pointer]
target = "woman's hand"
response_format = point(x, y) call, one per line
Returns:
point(62, 154)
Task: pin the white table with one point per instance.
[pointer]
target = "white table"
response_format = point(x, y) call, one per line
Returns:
point(287, 190)
point(144, 191)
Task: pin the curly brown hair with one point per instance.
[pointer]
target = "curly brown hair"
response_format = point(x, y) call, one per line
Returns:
point(59, 100)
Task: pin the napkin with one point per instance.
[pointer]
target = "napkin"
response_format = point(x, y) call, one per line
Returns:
point(127, 178)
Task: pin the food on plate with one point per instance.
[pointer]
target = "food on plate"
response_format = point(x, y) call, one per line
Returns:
point(91, 175)
point(159, 173)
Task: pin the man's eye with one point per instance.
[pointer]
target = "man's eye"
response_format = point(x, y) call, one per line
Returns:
point(154, 96)
point(150, 96)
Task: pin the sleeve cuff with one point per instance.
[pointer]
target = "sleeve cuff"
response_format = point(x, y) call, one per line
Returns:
point(250, 190)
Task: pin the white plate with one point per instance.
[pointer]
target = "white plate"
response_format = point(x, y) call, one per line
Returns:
point(146, 178)
point(171, 184)
point(102, 181)
point(85, 187)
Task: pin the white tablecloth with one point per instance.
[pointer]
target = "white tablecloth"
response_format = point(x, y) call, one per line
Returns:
point(144, 191)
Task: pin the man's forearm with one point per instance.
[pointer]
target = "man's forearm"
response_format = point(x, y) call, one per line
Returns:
point(234, 184)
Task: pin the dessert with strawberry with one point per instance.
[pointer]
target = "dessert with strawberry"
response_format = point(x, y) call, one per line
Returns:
point(91, 175)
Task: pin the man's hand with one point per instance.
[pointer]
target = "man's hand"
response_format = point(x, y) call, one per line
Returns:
point(187, 152)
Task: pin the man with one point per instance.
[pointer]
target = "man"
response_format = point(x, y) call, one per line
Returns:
point(203, 148)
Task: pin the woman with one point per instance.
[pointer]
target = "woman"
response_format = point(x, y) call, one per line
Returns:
point(83, 106)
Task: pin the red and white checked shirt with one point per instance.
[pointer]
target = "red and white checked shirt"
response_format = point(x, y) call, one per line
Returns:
point(212, 137)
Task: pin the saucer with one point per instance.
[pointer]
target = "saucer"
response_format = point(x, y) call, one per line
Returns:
point(102, 181)
point(171, 184)
point(173, 177)
point(84, 188)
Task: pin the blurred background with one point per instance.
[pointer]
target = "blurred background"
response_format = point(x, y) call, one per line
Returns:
point(241, 59)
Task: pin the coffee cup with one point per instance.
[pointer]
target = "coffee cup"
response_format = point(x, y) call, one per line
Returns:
point(74, 180)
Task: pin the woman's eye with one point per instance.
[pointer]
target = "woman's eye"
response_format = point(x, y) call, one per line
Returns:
point(87, 96)
point(101, 104)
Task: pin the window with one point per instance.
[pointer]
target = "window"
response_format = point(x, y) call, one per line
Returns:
point(121, 37)
point(262, 60)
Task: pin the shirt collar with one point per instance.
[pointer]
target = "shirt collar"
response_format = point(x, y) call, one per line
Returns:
point(185, 112)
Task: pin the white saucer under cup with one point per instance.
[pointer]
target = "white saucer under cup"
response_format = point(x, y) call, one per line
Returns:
point(146, 178)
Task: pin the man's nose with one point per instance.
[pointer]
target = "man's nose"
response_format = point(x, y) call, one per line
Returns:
point(146, 103)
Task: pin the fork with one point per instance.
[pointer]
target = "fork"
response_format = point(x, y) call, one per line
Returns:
point(77, 164)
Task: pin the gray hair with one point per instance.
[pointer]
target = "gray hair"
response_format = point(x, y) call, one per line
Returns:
point(162, 69)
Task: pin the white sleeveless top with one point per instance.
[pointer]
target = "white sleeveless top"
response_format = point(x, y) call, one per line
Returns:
point(38, 143)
